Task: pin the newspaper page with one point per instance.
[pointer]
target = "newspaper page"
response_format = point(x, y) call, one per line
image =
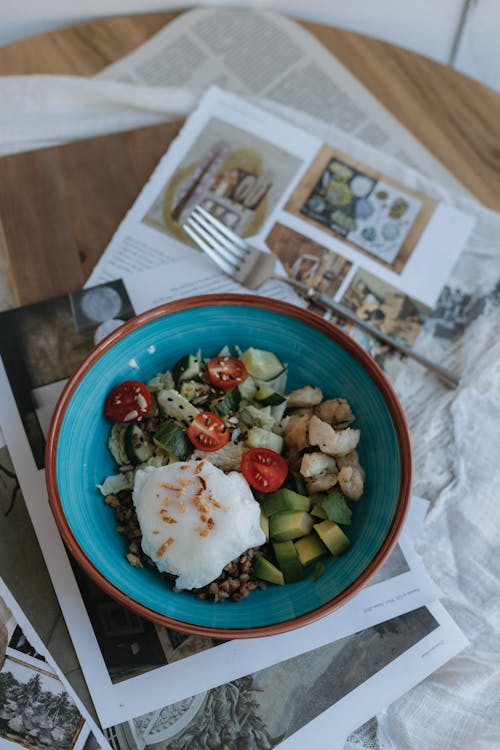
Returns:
point(333, 222)
point(131, 665)
point(38, 708)
point(266, 55)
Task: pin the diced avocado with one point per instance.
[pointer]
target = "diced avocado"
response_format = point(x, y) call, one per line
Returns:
point(332, 536)
point(228, 404)
point(259, 438)
point(288, 561)
point(187, 368)
point(290, 524)
point(176, 406)
point(284, 499)
point(116, 443)
point(137, 446)
point(265, 570)
point(264, 524)
point(267, 396)
point(318, 511)
point(336, 508)
point(174, 440)
point(309, 549)
point(262, 364)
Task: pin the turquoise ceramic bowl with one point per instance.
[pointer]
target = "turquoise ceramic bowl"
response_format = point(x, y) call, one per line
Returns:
point(316, 352)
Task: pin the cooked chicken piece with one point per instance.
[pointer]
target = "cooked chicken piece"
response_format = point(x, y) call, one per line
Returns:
point(328, 440)
point(335, 411)
point(295, 430)
point(317, 463)
point(307, 396)
point(321, 483)
point(351, 482)
point(352, 459)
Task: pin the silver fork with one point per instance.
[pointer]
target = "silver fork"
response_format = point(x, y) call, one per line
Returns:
point(251, 267)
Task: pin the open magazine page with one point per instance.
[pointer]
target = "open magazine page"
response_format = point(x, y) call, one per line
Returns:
point(333, 222)
point(232, 48)
point(38, 708)
point(131, 665)
point(317, 698)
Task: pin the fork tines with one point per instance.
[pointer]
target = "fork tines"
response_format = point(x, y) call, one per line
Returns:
point(223, 245)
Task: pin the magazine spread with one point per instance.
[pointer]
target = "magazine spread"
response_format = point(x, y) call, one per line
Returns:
point(41, 346)
point(361, 238)
point(230, 48)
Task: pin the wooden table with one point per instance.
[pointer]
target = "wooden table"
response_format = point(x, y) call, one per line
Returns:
point(59, 207)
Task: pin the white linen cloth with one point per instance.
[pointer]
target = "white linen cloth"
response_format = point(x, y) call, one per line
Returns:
point(455, 434)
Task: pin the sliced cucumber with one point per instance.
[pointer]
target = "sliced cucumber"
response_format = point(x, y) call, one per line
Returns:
point(259, 438)
point(267, 396)
point(262, 364)
point(116, 444)
point(227, 405)
point(259, 417)
point(247, 388)
point(187, 368)
point(137, 446)
point(174, 440)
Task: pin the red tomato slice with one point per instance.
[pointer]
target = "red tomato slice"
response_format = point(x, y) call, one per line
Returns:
point(264, 469)
point(226, 372)
point(208, 432)
point(128, 402)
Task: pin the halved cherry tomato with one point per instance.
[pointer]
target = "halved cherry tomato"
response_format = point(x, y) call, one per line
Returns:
point(208, 432)
point(226, 372)
point(128, 402)
point(264, 469)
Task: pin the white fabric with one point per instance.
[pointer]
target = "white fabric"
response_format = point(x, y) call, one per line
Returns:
point(456, 435)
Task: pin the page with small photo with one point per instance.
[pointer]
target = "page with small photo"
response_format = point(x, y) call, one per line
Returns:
point(333, 222)
point(322, 695)
point(38, 708)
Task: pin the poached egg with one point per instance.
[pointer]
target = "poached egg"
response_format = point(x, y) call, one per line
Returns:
point(195, 519)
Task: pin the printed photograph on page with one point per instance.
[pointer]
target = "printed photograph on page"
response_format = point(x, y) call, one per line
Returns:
point(42, 344)
point(236, 176)
point(374, 214)
point(260, 710)
point(36, 710)
point(373, 300)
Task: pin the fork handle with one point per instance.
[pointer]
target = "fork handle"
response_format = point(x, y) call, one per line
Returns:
point(325, 302)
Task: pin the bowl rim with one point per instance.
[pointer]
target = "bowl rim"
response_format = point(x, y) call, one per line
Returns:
point(284, 308)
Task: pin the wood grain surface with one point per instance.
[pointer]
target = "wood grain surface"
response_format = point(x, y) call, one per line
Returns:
point(60, 206)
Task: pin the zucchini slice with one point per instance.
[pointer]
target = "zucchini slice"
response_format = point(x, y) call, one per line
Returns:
point(187, 368)
point(174, 440)
point(137, 446)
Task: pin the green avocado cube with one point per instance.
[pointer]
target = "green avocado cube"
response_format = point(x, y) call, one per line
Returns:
point(333, 537)
point(288, 561)
point(267, 571)
point(290, 524)
point(284, 499)
point(309, 549)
